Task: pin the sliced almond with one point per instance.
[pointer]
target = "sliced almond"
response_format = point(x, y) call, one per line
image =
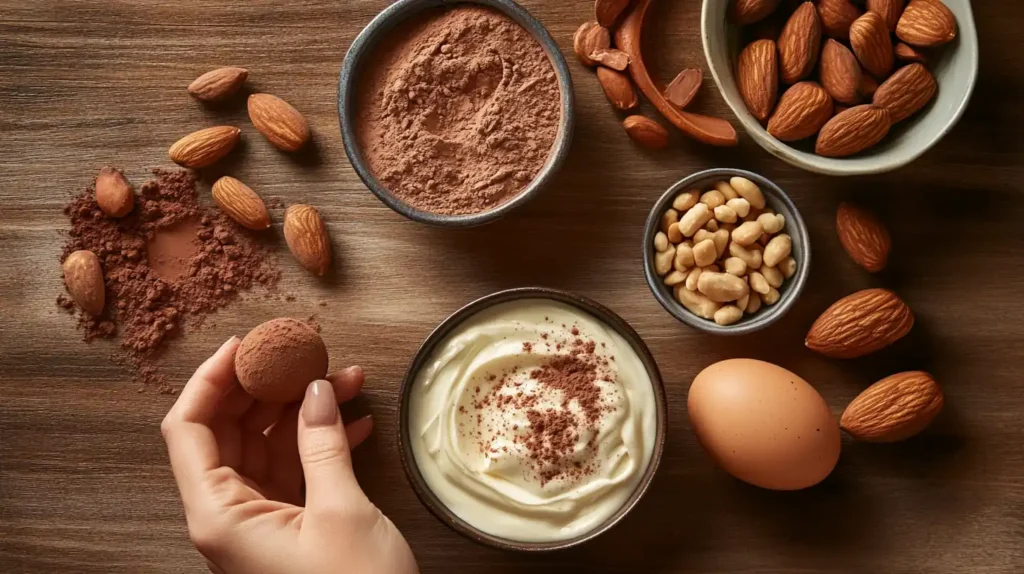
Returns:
point(590, 37)
point(681, 90)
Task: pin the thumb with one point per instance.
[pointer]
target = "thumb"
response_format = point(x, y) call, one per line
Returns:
point(324, 450)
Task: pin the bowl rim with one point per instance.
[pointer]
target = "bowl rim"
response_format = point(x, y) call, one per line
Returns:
point(797, 229)
point(363, 47)
point(439, 333)
point(841, 166)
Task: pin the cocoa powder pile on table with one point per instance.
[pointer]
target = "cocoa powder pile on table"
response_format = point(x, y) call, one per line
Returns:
point(459, 110)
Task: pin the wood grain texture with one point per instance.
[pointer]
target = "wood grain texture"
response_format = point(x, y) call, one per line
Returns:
point(84, 481)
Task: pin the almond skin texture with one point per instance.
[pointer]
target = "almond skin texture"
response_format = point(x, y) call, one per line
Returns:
point(840, 73)
point(909, 54)
point(241, 203)
point(799, 44)
point(279, 122)
point(681, 90)
point(836, 17)
point(893, 409)
point(906, 91)
point(853, 131)
point(926, 24)
point(83, 277)
point(606, 12)
point(589, 38)
point(757, 76)
point(864, 237)
point(872, 44)
point(889, 10)
point(868, 85)
point(611, 58)
point(618, 87)
point(745, 12)
point(114, 194)
point(801, 113)
point(860, 324)
point(646, 132)
point(218, 85)
point(306, 235)
point(205, 147)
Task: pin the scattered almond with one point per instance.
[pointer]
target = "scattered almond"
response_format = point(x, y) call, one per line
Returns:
point(909, 54)
point(307, 238)
point(646, 132)
point(589, 38)
point(893, 409)
point(279, 122)
point(926, 24)
point(749, 11)
point(853, 131)
point(799, 44)
point(860, 324)
point(864, 237)
point(906, 92)
point(241, 203)
point(681, 90)
point(757, 76)
point(840, 73)
point(614, 59)
point(870, 40)
point(836, 17)
point(83, 277)
point(205, 147)
point(618, 87)
point(114, 194)
point(218, 85)
point(802, 111)
point(607, 12)
point(889, 10)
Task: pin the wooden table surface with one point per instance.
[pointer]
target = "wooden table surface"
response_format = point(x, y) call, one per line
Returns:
point(85, 484)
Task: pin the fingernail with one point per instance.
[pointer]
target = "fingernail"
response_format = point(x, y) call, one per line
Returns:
point(229, 341)
point(319, 408)
point(353, 370)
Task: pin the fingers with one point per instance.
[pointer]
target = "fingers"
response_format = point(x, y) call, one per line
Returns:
point(358, 431)
point(347, 385)
point(324, 451)
point(201, 397)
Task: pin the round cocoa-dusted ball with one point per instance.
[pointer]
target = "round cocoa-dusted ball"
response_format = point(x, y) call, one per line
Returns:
point(278, 359)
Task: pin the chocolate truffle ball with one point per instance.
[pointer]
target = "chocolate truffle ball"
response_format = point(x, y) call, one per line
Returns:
point(278, 359)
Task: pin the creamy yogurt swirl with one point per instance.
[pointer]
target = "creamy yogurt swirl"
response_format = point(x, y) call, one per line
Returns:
point(533, 421)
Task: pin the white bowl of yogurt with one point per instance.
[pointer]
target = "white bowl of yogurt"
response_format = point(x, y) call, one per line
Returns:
point(532, 419)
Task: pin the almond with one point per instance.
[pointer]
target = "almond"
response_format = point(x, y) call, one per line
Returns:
point(646, 132)
point(749, 11)
point(205, 147)
point(799, 44)
point(618, 87)
point(906, 92)
point(113, 193)
point(589, 38)
point(802, 111)
point(889, 10)
point(868, 85)
point(681, 90)
point(608, 11)
point(864, 236)
point(241, 203)
point(893, 409)
point(307, 238)
point(757, 76)
point(836, 17)
point(853, 131)
point(83, 277)
point(218, 85)
point(860, 324)
point(870, 40)
point(279, 122)
point(840, 73)
point(909, 54)
point(611, 58)
point(926, 24)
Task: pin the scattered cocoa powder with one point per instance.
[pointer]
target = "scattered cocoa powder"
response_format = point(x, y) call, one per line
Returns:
point(458, 111)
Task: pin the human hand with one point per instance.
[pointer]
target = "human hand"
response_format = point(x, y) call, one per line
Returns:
point(239, 465)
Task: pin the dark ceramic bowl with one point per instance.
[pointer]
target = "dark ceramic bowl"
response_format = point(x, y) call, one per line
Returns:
point(364, 46)
point(605, 315)
point(795, 227)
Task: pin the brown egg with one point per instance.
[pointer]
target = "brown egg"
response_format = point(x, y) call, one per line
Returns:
point(278, 359)
point(763, 424)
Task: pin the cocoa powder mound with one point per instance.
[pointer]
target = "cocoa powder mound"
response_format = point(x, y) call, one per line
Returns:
point(166, 266)
point(458, 110)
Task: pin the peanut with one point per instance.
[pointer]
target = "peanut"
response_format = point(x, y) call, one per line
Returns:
point(745, 300)
point(674, 235)
point(663, 260)
point(694, 219)
point(772, 297)
point(712, 226)
point(788, 267)
point(771, 222)
point(777, 249)
point(693, 278)
point(725, 214)
point(704, 253)
point(726, 190)
point(701, 235)
point(698, 304)
point(764, 239)
point(712, 268)
point(736, 266)
point(751, 257)
point(754, 305)
point(684, 257)
point(713, 199)
point(721, 239)
point(728, 315)
point(749, 191)
point(668, 218)
point(759, 284)
point(772, 275)
point(660, 242)
point(740, 206)
point(722, 287)
point(747, 233)
point(675, 278)
point(686, 200)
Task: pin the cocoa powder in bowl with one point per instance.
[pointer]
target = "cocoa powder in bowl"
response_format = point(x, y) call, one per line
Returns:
point(278, 359)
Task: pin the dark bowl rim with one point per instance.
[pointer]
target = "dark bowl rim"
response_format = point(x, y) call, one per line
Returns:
point(797, 229)
point(598, 311)
point(363, 46)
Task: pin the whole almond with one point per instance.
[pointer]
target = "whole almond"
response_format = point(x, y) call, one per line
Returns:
point(802, 111)
point(889, 10)
point(836, 17)
point(864, 237)
point(893, 409)
point(909, 54)
point(241, 203)
point(307, 238)
point(684, 87)
point(618, 87)
point(205, 147)
point(83, 277)
point(926, 24)
point(746, 12)
point(906, 91)
point(757, 76)
point(840, 73)
point(868, 85)
point(218, 85)
point(279, 122)
point(114, 194)
point(611, 58)
point(870, 41)
point(860, 324)
point(646, 132)
point(606, 12)
point(853, 131)
point(799, 44)
point(589, 38)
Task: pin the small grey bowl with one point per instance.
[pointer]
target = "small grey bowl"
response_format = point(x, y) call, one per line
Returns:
point(777, 200)
point(364, 46)
point(605, 315)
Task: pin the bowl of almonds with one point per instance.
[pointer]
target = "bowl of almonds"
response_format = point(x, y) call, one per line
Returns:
point(843, 87)
point(726, 252)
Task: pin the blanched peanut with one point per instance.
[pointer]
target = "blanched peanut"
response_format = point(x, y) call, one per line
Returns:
point(772, 297)
point(713, 199)
point(777, 249)
point(694, 219)
point(772, 275)
point(684, 257)
point(686, 200)
point(675, 278)
point(788, 267)
point(751, 257)
point(660, 242)
point(764, 239)
point(721, 239)
point(674, 235)
point(693, 278)
point(758, 283)
point(726, 190)
point(704, 253)
point(747, 233)
point(668, 218)
point(728, 315)
point(771, 222)
point(749, 191)
point(712, 226)
point(725, 214)
point(754, 305)
point(701, 235)
point(751, 215)
point(736, 266)
point(698, 304)
point(722, 287)
point(745, 300)
point(740, 206)
point(663, 260)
